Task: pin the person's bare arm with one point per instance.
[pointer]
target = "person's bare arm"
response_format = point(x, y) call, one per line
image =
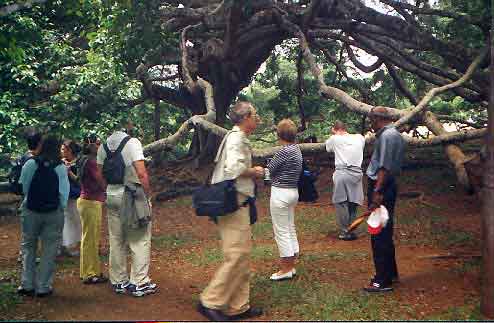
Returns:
point(142, 174)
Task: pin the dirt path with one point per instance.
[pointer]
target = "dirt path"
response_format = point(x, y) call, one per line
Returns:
point(185, 255)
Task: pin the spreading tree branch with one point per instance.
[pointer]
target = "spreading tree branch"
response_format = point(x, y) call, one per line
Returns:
point(435, 91)
point(401, 85)
point(204, 121)
point(359, 65)
point(189, 83)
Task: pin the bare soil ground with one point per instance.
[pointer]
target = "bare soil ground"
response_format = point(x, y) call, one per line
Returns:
point(330, 276)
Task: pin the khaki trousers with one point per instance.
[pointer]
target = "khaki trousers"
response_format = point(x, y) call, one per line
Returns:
point(228, 291)
point(91, 212)
point(122, 238)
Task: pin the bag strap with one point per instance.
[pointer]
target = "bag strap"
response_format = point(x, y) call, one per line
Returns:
point(121, 146)
point(218, 156)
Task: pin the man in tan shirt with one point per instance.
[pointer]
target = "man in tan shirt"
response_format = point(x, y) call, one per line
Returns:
point(227, 295)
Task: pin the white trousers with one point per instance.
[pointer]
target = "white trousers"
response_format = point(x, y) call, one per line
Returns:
point(72, 225)
point(282, 207)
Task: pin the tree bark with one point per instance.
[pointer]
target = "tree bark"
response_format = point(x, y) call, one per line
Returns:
point(487, 292)
point(157, 120)
point(453, 152)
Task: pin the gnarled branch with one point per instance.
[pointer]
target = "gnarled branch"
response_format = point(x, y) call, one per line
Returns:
point(435, 91)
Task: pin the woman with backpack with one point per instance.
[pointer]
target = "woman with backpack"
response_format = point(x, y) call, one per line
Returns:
point(45, 186)
point(90, 207)
point(284, 169)
point(72, 227)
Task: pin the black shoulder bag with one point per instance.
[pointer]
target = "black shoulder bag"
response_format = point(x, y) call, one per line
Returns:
point(216, 199)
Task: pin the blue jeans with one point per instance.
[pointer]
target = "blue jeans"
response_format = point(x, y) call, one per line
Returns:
point(46, 227)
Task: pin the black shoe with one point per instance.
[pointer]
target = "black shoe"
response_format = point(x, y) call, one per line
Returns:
point(211, 314)
point(25, 292)
point(95, 280)
point(250, 313)
point(395, 280)
point(45, 294)
point(378, 288)
point(347, 236)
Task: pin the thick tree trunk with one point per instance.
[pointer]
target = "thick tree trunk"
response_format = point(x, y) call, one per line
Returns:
point(487, 300)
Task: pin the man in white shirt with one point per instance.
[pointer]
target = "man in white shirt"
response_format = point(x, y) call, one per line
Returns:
point(347, 178)
point(124, 234)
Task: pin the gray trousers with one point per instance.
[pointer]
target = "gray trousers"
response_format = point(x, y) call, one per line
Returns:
point(346, 212)
point(46, 227)
point(124, 239)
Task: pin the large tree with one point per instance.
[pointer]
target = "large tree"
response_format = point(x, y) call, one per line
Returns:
point(222, 44)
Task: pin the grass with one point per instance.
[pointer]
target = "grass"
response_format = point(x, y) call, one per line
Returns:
point(206, 257)
point(468, 266)
point(179, 201)
point(67, 263)
point(450, 238)
point(171, 241)
point(336, 255)
point(9, 280)
point(314, 225)
point(262, 230)
point(9, 276)
point(8, 297)
point(467, 312)
point(260, 252)
point(308, 299)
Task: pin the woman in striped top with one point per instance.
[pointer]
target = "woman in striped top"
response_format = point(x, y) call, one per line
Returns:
point(285, 169)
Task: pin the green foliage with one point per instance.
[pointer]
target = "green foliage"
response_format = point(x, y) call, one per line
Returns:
point(69, 66)
point(8, 297)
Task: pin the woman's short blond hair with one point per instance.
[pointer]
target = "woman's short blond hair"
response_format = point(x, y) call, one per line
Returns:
point(286, 130)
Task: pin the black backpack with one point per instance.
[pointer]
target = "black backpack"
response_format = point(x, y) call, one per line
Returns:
point(114, 166)
point(15, 173)
point(307, 191)
point(43, 195)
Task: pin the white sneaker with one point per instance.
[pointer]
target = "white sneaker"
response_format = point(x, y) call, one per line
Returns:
point(287, 275)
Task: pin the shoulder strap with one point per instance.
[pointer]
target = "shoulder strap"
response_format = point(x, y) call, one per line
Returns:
point(121, 146)
point(222, 145)
point(107, 150)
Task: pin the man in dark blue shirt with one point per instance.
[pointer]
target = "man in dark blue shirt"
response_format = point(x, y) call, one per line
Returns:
point(383, 168)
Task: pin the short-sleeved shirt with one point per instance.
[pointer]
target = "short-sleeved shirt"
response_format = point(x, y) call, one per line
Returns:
point(131, 152)
point(388, 152)
point(348, 149)
point(90, 188)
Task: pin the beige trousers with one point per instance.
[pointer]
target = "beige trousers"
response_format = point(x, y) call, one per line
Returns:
point(228, 291)
point(122, 239)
